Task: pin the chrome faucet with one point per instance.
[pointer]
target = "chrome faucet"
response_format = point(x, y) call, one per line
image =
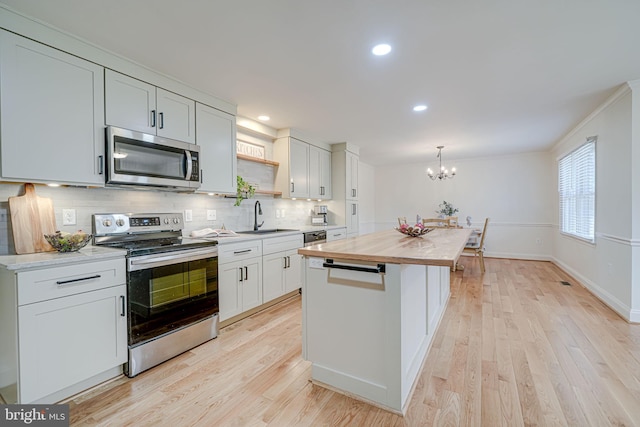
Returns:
point(257, 210)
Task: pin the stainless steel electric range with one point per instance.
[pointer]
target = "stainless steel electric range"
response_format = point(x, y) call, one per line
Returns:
point(172, 285)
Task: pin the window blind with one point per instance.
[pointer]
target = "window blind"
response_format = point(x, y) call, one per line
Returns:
point(577, 190)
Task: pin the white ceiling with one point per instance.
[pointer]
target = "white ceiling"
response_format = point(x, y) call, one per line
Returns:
point(498, 76)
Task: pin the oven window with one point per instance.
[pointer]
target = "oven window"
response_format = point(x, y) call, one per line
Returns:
point(135, 158)
point(163, 299)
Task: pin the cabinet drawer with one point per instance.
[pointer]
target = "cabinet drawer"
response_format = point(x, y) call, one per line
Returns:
point(239, 251)
point(336, 234)
point(283, 243)
point(56, 282)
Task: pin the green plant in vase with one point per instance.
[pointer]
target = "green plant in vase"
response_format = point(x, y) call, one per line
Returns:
point(244, 190)
point(446, 209)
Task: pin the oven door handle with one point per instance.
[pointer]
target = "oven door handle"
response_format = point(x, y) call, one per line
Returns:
point(140, 263)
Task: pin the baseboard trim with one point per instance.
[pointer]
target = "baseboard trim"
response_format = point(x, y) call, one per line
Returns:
point(624, 311)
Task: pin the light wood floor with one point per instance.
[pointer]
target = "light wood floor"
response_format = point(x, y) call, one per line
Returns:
point(515, 347)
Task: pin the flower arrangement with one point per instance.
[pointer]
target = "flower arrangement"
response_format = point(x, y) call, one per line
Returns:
point(446, 209)
point(244, 190)
point(414, 231)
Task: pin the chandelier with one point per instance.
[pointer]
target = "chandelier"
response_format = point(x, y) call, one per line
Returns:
point(444, 173)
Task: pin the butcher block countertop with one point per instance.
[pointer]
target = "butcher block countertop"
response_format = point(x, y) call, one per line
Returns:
point(441, 246)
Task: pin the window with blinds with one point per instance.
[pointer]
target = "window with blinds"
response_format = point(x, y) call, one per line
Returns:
point(577, 190)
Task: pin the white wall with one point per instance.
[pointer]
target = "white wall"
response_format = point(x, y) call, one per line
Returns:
point(606, 267)
point(511, 190)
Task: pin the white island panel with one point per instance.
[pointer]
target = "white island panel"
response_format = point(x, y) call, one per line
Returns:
point(367, 334)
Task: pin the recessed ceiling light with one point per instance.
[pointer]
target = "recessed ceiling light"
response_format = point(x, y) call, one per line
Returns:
point(264, 118)
point(421, 107)
point(381, 49)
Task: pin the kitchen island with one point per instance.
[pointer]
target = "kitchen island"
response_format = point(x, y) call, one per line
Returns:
point(371, 305)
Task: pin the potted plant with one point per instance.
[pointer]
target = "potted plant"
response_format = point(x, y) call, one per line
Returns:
point(446, 209)
point(244, 190)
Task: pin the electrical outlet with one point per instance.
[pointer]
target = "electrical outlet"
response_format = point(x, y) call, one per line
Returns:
point(68, 217)
point(211, 214)
point(188, 215)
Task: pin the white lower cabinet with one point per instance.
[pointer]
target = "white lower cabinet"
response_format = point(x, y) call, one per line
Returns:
point(239, 277)
point(240, 286)
point(336, 234)
point(67, 340)
point(67, 333)
point(282, 265)
point(282, 274)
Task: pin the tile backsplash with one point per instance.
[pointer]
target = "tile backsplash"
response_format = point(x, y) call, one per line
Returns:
point(87, 201)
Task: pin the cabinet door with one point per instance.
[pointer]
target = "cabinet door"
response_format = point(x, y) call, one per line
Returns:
point(337, 234)
point(352, 175)
point(64, 341)
point(353, 215)
point(130, 103)
point(319, 173)
point(273, 266)
point(52, 114)
point(252, 284)
point(176, 116)
point(216, 136)
point(298, 168)
point(293, 272)
point(229, 290)
point(325, 173)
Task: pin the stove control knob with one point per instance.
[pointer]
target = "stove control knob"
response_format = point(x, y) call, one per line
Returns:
point(176, 220)
point(166, 220)
point(106, 222)
point(120, 222)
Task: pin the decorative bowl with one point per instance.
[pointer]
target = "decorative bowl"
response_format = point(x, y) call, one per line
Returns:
point(67, 242)
point(414, 231)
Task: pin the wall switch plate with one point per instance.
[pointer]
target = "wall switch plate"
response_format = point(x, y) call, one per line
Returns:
point(282, 213)
point(277, 213)
point(188, 215)
point(68, 217)
point(211, 214)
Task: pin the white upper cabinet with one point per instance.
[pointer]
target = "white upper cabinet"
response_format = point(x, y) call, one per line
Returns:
point(216, 136)
point(305, 169)
point(292, 177)
point(51, 115)
point(352, 162)
point(319, 173)
point(136, 105)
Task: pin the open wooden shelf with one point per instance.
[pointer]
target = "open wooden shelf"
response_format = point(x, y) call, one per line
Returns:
point(257, 160)
point(270, 192)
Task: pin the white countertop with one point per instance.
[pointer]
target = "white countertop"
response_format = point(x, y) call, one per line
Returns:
point(50, 259)
point(93, 253)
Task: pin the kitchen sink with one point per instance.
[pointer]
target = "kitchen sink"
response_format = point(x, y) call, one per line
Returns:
point(267, 231)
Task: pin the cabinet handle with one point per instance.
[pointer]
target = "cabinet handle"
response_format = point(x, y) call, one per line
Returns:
point(288, 261)
point(321, 190)
point(246, 273)
point(241, 277)
point(293, 187)
point(201, 175)
point(379, 269)
point(244, 251)
point(353, 209)
point(161, 120)
point(153, 118)
point(66, 282)
point(123, 312)
point(100, 165)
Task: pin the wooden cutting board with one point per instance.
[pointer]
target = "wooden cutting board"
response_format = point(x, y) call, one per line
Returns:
point(31, 218)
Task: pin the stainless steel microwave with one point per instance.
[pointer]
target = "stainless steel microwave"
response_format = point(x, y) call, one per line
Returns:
point(136, 159)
